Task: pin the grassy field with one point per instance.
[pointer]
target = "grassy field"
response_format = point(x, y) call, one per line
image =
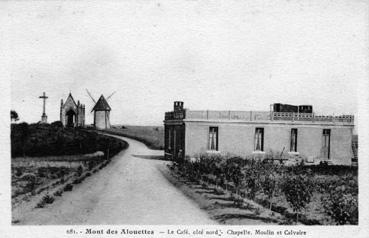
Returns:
point(152, 136)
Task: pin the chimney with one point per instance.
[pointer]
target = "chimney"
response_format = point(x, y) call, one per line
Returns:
point(178, 106)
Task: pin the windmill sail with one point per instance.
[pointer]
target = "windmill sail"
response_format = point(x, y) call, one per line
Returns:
point(111, 95)
point(89, 94)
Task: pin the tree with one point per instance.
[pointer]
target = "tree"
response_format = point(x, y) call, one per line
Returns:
point(269, 185)
point(14, 116)
point(298, 191)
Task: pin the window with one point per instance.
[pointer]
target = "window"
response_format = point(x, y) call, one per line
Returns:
point(259, 139)
point(293, 144)
point(326, 143)
point(213, 138)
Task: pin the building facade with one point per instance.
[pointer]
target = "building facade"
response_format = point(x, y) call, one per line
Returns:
point(245, 133)
point(72, 114)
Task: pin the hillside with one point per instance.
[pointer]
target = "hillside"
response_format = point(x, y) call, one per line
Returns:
point(53, 139)
point(152, 136)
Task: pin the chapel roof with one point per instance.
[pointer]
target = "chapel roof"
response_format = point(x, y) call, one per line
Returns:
point(70, 97)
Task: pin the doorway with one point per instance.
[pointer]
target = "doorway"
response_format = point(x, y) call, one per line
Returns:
point(326, 143)
point(70, 118)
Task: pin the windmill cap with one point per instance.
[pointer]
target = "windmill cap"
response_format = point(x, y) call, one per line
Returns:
point(101, 105)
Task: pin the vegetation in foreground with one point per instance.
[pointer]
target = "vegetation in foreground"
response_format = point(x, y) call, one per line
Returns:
point(152, 136)
point(310, 195)
point(44, 177)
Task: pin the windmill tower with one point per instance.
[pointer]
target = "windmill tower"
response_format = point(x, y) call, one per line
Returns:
point(101, 112)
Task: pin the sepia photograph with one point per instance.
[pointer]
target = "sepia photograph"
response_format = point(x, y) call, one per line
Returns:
point(185, 118)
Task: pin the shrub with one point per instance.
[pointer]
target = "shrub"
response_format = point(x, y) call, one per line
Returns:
point(90, 165)
point(28, 177)
point(79, 171)
point(18, 172)
point(77, 181)
point(40, 204)
point(341, 206)
point(298, 191)
point(57, 124)
point(68, 187)
point(31, 181)
point(58, 193)
point(42, 172)
point(251, 181)
point(269, 185)
point(48, 199)
point(88, 174)
point(61, 172)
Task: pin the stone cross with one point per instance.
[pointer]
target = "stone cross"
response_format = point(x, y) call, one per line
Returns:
point(43, 117)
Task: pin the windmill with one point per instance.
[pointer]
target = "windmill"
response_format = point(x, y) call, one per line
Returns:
point(101, 111)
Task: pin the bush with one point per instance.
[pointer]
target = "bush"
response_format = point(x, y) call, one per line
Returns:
point(341, 206)
point(263, 181)
point(90, 165)
point(61, 172)
point(58, 193)
point(68, 187)
point(40, 204)
point(57, 124)
point(77, 181)
point(269, 184)
point(31, 181)
point(79, 171)
point(19, 172)
point(48, 199)
point(298, 191)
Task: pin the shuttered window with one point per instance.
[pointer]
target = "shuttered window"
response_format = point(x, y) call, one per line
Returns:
point(293, 144)
point(213, 138)
point(259, 139)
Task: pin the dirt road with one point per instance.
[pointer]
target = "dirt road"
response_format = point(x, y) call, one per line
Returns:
point(130, 190)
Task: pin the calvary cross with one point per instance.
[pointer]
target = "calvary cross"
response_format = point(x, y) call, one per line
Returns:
point(44, 117)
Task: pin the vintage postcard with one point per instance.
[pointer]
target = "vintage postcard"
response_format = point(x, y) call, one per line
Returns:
point(184, 118)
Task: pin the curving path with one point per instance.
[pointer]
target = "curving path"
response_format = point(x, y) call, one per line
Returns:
point(130, 190)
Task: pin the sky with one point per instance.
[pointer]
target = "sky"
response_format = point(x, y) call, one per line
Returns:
point(217, 55)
